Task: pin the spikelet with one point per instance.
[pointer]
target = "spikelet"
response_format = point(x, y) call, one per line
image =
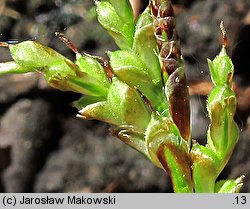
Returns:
point(172, 65)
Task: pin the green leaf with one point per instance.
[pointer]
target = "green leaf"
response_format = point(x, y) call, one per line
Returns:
point(33, 55)
point(159, 130)
point(67, 77)
point(144, 19)
point(87, 100)
point(117, 26)
point(145, 48)
point(124, 106)
point(128, 67)
point(124, 59)
point(124, 10)
point(94, 69)
point(168, 150)
point(205, 165)
point(175, 160)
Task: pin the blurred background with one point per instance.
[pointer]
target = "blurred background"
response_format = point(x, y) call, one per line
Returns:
point(45, 148)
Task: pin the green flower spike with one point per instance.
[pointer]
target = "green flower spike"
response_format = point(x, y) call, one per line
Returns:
point(223, 132)
point(60, 72)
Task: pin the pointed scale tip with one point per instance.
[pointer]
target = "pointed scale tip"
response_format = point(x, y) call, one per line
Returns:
point(80, 116)
point(224, 34)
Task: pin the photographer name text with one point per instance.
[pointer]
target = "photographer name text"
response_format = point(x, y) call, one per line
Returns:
point(47, 200)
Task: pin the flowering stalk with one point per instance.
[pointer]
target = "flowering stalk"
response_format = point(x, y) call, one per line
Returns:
point(142, 92)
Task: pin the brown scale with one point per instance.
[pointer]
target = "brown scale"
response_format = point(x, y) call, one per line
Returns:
point(170, 55)
point(170, 50)
point(161, 8)
point(164, 26)
point(166, 35)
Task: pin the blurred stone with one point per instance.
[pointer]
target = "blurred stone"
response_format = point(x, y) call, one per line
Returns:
point(25, 128)
point(5, 23)
point(85, 160)
point(199, 118)
point(12, 86)
point(27, 29)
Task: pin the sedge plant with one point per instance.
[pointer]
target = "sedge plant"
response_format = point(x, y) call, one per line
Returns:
point(141, 91)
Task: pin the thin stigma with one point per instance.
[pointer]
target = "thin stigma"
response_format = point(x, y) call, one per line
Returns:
point(65, 40)
point(224, 33)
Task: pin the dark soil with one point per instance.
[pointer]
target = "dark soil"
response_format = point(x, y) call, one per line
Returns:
point(45, 148)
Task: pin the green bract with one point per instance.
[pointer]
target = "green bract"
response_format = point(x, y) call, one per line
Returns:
point(141, 91)
point(117, 18)
point(130, 111)
point(224, 63)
